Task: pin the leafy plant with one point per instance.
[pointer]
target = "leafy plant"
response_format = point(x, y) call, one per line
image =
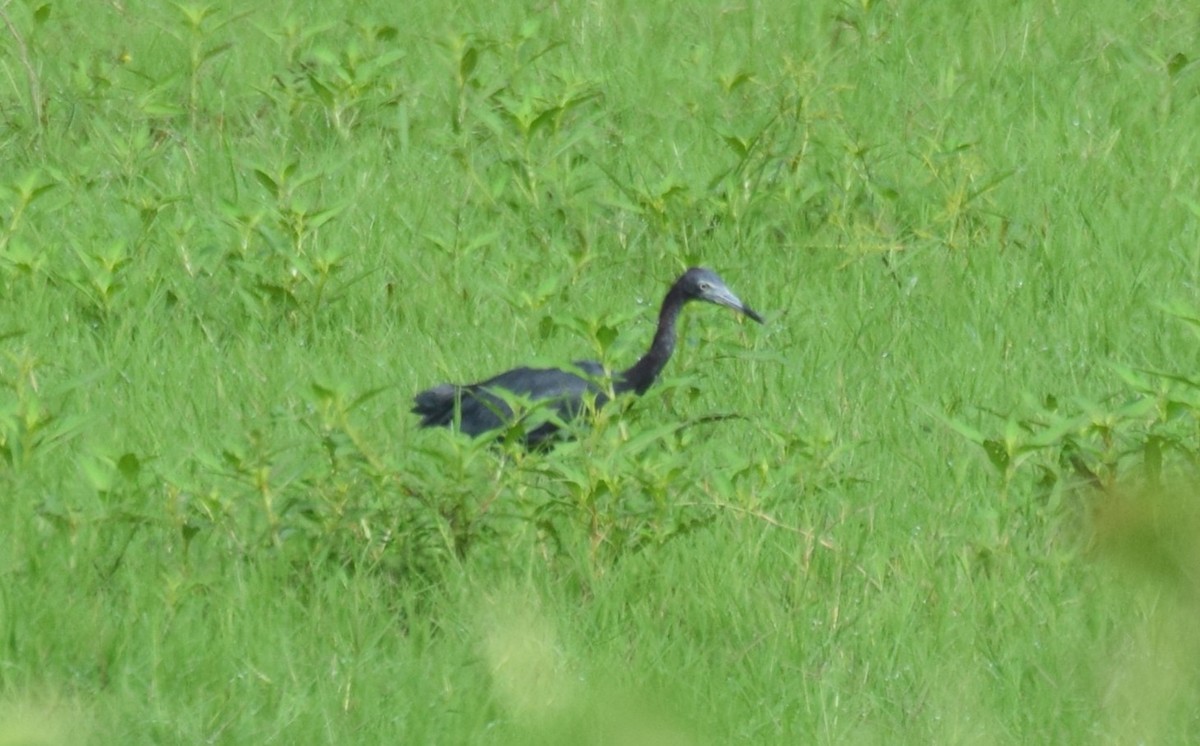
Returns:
point(201, 24)
point(1149, 429)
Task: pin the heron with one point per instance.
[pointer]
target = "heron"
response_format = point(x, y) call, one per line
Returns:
point(488, 406)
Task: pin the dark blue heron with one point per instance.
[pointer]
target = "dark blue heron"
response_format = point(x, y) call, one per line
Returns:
point(482, 407)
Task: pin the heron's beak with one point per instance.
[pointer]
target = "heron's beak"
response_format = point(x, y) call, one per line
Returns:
point(724, 297)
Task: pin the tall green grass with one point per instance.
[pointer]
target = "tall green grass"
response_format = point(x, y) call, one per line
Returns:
point(944, 495)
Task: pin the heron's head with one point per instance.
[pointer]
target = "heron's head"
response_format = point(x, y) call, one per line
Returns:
point(704, 284)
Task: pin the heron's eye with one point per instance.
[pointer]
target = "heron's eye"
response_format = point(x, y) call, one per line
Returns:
point(705, 287)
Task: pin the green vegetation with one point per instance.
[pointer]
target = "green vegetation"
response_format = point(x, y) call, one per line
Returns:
point(943, 496)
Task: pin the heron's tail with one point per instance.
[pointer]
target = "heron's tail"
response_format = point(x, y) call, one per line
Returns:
point(436, 405)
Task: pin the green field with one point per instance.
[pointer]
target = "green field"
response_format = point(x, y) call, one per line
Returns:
point(943, 495)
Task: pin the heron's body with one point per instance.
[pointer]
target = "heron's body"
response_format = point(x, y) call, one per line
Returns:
point(486, 406)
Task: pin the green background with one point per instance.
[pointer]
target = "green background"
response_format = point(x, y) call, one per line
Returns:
point(940, 497)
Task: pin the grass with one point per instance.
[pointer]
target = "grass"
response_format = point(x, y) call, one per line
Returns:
point(948, 499)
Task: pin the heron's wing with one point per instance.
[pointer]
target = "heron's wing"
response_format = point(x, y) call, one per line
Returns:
point(562, 392)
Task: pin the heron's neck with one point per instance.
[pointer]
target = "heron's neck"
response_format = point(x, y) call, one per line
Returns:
point(645, 371)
